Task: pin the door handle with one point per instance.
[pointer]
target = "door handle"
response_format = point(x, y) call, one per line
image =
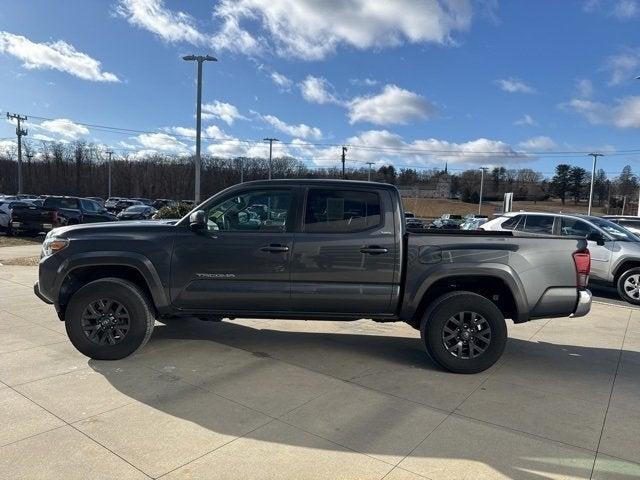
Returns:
point(374, 250)
point(275, 248)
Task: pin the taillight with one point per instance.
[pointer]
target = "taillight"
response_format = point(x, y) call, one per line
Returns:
point(582, 261)
point(54, 218)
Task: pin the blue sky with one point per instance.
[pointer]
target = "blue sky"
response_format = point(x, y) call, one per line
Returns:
point(408, 82)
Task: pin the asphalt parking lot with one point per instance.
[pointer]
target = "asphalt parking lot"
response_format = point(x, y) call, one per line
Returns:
point(293, 399)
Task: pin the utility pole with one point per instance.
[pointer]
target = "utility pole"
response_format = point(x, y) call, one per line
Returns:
point(270, 140)
point(200, 59)
point(482, 170)
point(639, 202)
point(593, 176)
point(109, 152)
point(370, 164)
point(20, 132)
point(344, 154)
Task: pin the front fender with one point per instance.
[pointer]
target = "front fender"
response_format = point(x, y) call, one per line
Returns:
point(115, 258)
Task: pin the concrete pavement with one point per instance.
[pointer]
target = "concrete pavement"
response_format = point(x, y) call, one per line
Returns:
point(292, 399)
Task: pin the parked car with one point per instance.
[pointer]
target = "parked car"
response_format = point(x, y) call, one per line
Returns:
point(6, 208)
point(447, 221)
point(111, 202)
point(615, 251)
point(188, 202)
point(57, 211)
point(124, 204)
point(137, 212)
point(631, 223)
point(415, 223)
point(352, 258)
point(473, 223)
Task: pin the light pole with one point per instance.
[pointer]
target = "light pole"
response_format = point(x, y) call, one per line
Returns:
point(593, 175)
point(370, 164)
point(109, 152)
point(482, 169)
point(638, 78)
point(200, 59)
point(270, 140)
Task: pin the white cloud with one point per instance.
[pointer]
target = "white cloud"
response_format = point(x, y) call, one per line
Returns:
point(224, 111)
point(584, 88)
point(152, 15)
point(311, 30)
point(281, 80)
point(624, 113)
point(57, 55)
point(162, 142)
point(8, 147)
point(393, 105)
point(214, 132)
point(624, 66)
point(526, 119)
point(318, 90)
point(513, 85)
point(626, 9)
point(44, 138)
point(538, 144)
point(301, 130)
point(64, 127)
point(183, 131)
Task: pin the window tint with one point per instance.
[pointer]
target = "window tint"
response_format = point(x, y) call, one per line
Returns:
point(512, 223)
point(341, 211)
point(61, 203)
point(574, 227)
point(542, 224)
point(259, 211)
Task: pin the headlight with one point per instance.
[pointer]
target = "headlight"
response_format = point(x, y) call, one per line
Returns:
point(52, 245)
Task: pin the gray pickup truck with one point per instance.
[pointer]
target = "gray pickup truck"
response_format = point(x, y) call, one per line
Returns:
point(309, 249)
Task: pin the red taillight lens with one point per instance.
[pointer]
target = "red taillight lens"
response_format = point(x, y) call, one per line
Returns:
point(54, 218)
point(583, 267)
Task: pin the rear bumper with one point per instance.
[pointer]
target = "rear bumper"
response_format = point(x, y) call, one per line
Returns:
point(584, 304)
point(32, 226)
point(562, 302)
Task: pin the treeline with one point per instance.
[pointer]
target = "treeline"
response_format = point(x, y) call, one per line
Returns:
point(81, 169)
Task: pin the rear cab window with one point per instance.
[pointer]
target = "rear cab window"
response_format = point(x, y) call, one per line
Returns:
point(341, 211)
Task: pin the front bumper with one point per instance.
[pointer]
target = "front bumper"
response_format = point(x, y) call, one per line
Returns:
point(584, 304)
point(36, 290)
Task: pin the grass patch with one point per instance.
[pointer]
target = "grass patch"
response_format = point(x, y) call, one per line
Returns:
point(17, 241)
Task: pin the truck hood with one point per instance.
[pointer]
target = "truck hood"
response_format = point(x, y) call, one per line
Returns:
point(115, 228)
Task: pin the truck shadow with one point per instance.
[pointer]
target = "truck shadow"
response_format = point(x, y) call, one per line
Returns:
point(282, 372)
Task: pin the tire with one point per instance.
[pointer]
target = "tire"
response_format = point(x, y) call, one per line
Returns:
point(626, 283)
point(471, 350)
point(110, 342)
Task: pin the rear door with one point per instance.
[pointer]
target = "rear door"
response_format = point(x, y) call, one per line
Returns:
point(344, 256)
point(91, 211)
point(240, 263)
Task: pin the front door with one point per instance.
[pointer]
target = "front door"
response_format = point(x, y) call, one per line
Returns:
point(240, 263)
point(344, 258)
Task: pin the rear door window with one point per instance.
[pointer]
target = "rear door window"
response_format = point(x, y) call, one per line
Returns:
point(341, 211)
point(70, 203)
point(512, 223)
point(540, 224)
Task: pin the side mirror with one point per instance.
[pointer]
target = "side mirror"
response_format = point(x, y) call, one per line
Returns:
point(198, 220)
point(596, 237)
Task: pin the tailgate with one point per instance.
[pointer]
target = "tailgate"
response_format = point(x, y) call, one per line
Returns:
point(32, 213)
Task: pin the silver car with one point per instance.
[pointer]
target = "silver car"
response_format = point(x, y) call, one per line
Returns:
point(615, 251)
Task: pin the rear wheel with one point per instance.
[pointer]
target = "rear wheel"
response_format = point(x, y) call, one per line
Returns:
point(464, 332)
point(629, 286)
point(109, 319)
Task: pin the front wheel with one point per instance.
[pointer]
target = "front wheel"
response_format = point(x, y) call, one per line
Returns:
point(464, 332)
point(109, 319)
point(629, 286)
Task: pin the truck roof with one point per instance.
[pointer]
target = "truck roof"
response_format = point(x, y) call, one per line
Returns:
point(322, 182)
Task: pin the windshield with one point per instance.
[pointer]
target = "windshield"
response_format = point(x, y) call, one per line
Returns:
point(616, 231)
